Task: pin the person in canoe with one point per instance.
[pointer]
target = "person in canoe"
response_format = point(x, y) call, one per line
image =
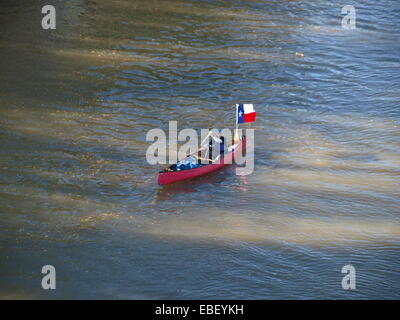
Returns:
point(195, 160)
point(218, 138)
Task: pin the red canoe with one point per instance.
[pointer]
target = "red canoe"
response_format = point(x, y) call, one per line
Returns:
point(168, 177)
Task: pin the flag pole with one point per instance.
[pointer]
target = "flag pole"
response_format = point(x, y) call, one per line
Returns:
point(236, 138)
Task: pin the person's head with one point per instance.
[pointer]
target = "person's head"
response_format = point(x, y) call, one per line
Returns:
point(217, 132)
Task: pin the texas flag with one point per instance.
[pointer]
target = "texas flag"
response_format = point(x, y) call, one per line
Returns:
point(245, 113)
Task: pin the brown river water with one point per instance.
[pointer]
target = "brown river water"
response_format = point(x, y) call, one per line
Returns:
point(76, 191)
